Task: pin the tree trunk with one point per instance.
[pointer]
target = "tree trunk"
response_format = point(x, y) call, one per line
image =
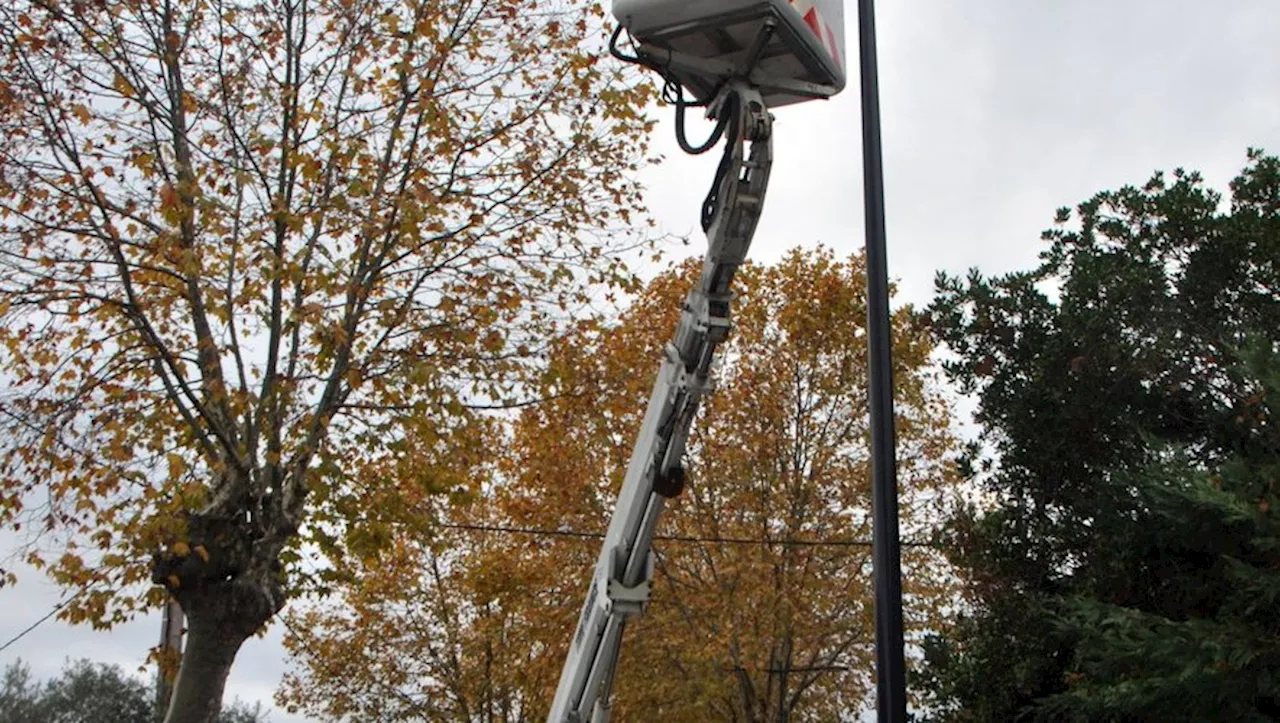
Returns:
point(206, 662)
point(229, 584)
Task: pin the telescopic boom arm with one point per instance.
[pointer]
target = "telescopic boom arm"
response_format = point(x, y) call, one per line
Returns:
point(624, 571)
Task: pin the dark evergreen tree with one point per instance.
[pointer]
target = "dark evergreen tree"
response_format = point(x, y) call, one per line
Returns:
point(1123, 554)
point(17, 695)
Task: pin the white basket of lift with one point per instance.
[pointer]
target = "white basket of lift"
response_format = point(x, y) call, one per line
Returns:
point(701, 43)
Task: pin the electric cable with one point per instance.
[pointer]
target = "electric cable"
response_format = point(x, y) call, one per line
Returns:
point(41, 621)
point(712, 200)
point(673, 93)
point(710, 540)
point(727, 122)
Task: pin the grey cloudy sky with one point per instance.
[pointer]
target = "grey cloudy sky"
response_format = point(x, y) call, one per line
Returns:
point(995, 114)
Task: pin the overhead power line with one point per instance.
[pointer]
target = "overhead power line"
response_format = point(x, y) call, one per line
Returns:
point(39, 622)
point(710, 540)
point(548, 532)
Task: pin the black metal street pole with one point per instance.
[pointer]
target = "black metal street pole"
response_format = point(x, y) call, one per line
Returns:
point(891, 680)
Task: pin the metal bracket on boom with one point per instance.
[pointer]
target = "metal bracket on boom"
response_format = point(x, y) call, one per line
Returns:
point(624, 569)
point(628, 600)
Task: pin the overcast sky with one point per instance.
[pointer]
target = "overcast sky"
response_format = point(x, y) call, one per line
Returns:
point(995, 114)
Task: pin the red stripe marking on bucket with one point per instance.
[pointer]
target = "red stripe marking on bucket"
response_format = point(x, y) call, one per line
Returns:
point(811, 19)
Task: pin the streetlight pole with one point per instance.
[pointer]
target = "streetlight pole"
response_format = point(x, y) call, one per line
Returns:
point(891, 696)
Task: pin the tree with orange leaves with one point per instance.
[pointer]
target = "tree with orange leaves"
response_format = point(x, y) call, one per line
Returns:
point(761, 608)
point(260, 256)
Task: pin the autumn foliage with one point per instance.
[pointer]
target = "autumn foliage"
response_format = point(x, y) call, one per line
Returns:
point(249, 248)
point(762, 602)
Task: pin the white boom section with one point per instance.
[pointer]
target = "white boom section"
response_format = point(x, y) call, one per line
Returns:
point(624, 570)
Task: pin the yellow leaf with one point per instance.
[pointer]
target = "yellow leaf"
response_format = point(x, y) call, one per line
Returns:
point(143, 162)
point(123, 85)
point(176, 466)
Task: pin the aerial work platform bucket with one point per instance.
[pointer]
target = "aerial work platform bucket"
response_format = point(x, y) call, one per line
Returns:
point(702, 43)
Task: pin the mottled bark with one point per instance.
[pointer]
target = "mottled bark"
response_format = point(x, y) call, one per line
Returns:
point(206, 662)
point(229, 583)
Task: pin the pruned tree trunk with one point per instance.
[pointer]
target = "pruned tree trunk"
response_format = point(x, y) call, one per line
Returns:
point(229, 583)
point(197, 692)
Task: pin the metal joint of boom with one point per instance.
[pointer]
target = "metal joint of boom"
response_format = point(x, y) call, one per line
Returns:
point(624, 571)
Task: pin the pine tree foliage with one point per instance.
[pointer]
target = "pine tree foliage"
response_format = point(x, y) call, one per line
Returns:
point(1123, 551)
